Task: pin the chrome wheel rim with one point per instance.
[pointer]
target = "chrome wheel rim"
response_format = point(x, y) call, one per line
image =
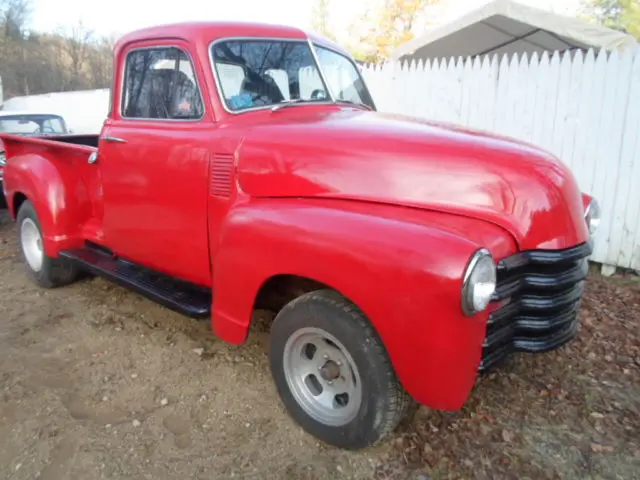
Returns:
point(322, 376)
point(31, 242)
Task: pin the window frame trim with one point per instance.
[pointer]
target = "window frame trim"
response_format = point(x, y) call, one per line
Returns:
point(123, 77)
point(220, 94)
point(353, 63)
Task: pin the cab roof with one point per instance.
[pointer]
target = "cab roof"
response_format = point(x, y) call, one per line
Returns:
point(207, 32)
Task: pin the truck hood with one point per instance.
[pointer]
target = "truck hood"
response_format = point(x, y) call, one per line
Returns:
point(373, 157)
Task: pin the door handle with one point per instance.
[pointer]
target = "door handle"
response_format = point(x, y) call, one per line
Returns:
point(107, 138)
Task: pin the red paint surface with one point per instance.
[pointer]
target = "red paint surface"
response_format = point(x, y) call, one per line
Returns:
point(384, 209)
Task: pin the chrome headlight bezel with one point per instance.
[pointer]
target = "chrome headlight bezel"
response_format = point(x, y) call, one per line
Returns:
point(592, 217)
point(479, 282)
point(3, 158)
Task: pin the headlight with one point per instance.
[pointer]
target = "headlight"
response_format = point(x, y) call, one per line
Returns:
point(3, 159)
point(479, 283)
point(592, 217)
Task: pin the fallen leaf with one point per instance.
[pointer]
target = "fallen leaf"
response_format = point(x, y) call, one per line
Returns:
point(507, 436)
point(597, 448)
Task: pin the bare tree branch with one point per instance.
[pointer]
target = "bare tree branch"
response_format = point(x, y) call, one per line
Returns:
point(33, 62)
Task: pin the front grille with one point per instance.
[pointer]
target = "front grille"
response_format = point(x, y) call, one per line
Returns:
point(536, 303)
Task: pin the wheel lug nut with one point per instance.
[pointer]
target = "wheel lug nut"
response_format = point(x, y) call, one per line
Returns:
point(326, 357)
point(339, 363)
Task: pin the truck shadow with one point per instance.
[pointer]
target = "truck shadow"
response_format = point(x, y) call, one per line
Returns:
point(5, 220)
point(7, 236)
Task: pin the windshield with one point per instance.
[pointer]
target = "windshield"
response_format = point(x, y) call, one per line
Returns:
point(32, 123)
point(257, 73)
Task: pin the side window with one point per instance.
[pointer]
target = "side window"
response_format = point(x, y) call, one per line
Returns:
point(159, 83)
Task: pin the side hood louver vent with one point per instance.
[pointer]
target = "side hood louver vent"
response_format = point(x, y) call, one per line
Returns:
point(222, 175)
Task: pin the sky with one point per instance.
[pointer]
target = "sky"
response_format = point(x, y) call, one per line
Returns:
point(120, 16)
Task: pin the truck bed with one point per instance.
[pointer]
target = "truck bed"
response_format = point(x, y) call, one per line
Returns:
point(19, 144)
point(89, 140)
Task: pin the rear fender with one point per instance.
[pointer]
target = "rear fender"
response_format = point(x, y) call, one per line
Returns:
point(406, 278)
point(56, 191)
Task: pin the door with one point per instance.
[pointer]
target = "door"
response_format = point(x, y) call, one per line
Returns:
point(154, 161)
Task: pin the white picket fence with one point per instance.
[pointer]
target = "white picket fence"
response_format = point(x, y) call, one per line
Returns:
point(584, 108)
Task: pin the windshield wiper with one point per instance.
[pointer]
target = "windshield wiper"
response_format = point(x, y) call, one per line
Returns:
point(287, 103)
point(351, 102)
point(294, 101)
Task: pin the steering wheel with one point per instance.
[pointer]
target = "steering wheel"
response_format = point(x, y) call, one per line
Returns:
point(318, 94)
point(262, 89)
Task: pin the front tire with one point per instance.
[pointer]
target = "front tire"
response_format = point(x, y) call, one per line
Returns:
point(47, 272)
point(333, 373)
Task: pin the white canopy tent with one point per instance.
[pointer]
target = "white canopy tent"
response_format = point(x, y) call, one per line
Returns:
point(507, 27)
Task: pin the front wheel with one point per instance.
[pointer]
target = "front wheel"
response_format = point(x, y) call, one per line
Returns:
point(333, 373)
point(46, 271)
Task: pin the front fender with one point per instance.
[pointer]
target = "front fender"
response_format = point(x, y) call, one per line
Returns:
point(406, 277)
point(57, 193)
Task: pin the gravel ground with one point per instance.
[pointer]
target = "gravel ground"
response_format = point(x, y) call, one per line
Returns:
point(569, 414)
point(100, 383)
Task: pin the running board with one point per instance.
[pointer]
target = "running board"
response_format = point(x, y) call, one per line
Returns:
point(177, 295)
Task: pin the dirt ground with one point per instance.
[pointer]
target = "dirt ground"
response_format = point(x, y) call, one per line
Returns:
point(99, 383)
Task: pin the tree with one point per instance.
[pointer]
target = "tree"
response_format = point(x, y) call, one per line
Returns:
point(100, 60)
point(15, 14)
point(622, 15)
point(33, 62)
point(320, 20)
point(77, 45)
point(389, 25)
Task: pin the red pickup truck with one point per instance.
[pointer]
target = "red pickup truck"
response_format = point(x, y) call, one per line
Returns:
point(245, 166)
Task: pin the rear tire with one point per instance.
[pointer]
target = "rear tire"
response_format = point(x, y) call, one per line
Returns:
point(332, 371)
point(46, 271)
